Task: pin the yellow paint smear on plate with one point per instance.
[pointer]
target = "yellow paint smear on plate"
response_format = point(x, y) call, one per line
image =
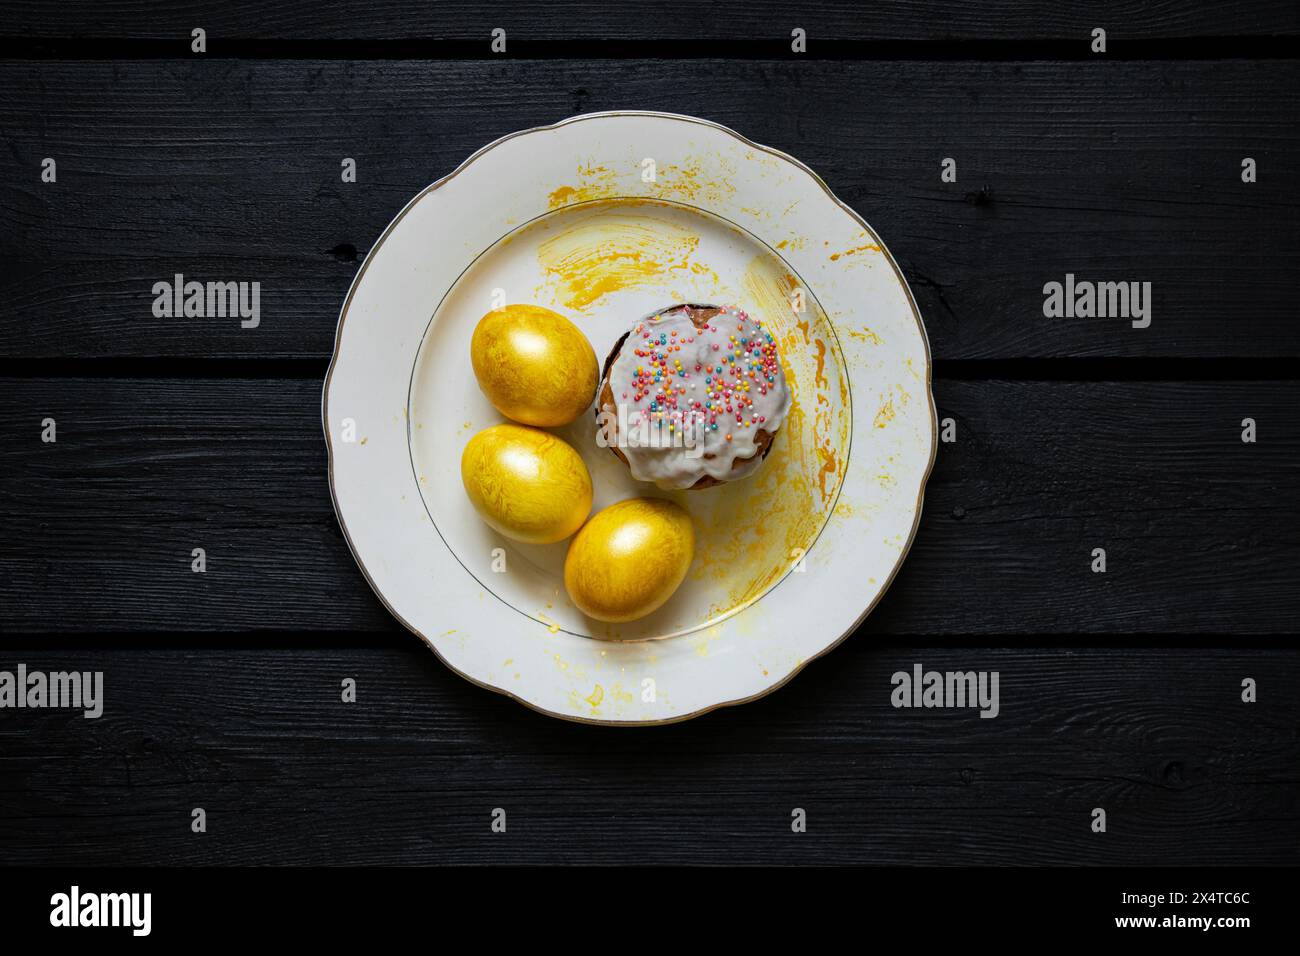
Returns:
point(863, 334)
point(758, 529)
point(612, 250)
point(685, 182)
point(884, 414)
point(827, 432)
point(869, 247)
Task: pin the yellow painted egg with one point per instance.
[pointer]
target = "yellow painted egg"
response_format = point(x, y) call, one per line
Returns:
point(534, 365)
point(629, 559)
point(526, 483)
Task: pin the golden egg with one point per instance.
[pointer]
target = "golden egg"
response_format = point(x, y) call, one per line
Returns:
point(526, 483)
point(629, 559)
point(534, 365)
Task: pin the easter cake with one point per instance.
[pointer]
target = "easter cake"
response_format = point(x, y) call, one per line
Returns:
point(692, 396)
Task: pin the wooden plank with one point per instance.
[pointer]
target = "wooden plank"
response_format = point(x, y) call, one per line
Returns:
point(1200, 530)
point(410, 773)
point(220, 169)
point(566, 19)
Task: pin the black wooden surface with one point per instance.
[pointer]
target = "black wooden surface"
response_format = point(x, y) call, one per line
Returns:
point(654, 20)
point(256, 736)
point(1121, 171)
point(1119, 690)
point(1199, 528)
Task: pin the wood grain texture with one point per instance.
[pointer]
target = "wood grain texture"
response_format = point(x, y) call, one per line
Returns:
point(411, 772)
point(1202, 532)
point(230, 170)
point(223, 689)
point(650, 19)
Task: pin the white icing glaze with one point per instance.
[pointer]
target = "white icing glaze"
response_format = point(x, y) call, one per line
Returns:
point(688, 401)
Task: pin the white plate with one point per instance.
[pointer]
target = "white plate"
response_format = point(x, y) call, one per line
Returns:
point(605, 218)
